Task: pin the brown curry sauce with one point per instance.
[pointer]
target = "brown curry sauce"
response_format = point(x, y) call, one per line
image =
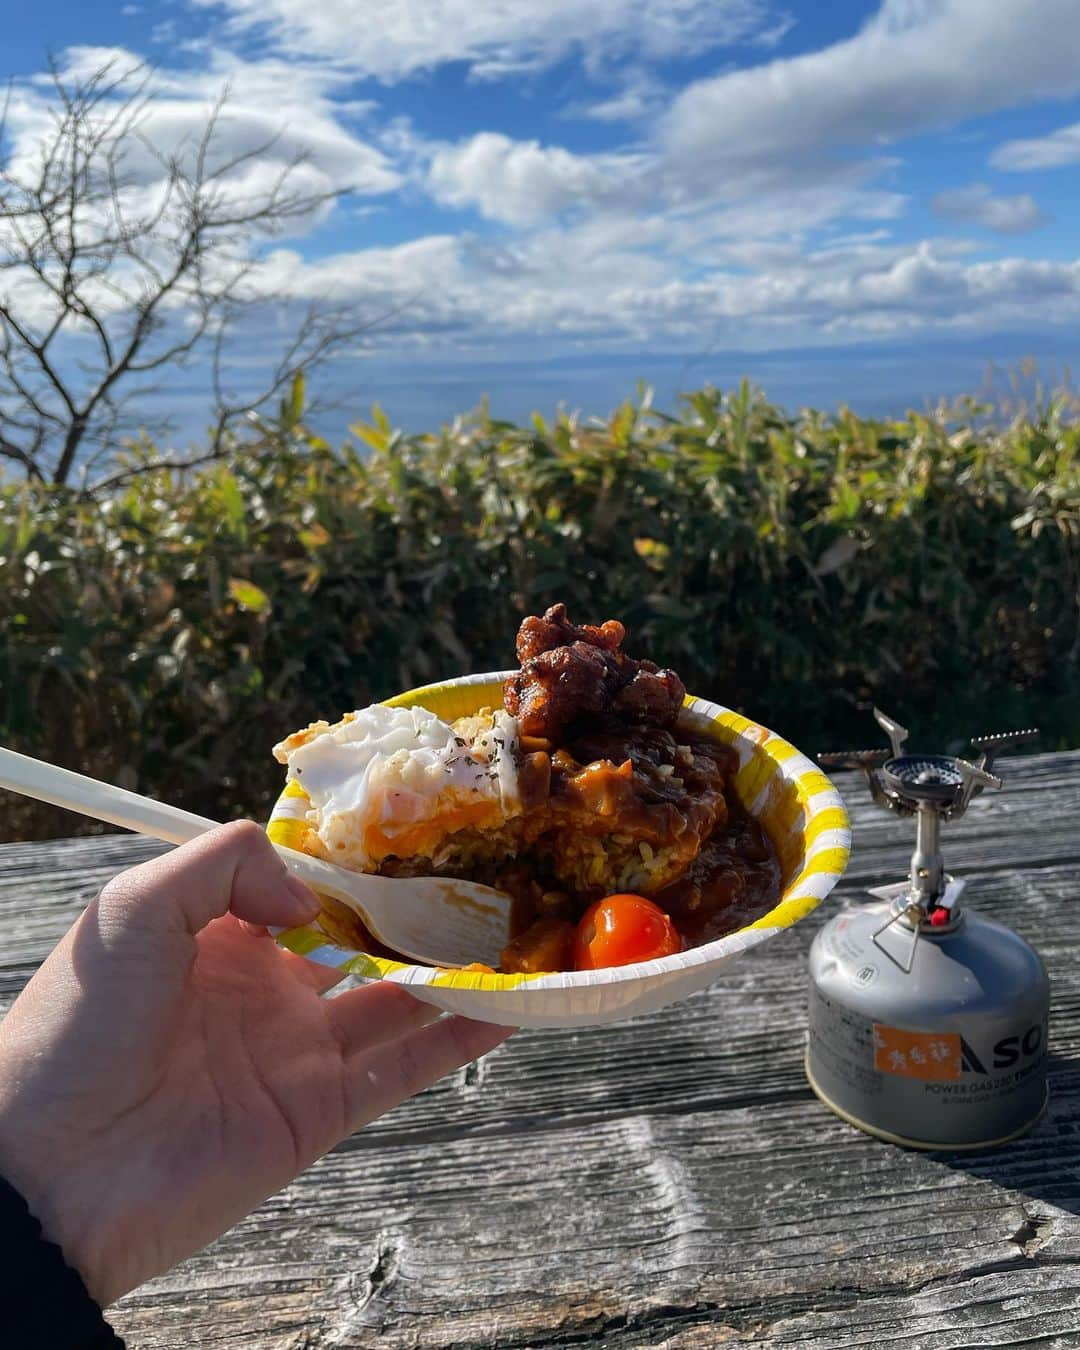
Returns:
point(728, 874)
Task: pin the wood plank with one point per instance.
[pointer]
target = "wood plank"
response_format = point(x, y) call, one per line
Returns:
point(755, 1217)
point(43, 889)
point(1021, 1308)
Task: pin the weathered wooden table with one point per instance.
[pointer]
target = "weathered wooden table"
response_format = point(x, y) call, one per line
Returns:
point(667, 1182)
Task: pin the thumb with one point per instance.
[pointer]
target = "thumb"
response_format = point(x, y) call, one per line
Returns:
point(233, 869)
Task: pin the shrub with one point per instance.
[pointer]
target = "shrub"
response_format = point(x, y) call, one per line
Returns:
point(797, 567)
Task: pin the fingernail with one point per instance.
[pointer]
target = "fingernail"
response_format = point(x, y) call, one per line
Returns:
point(307, 901)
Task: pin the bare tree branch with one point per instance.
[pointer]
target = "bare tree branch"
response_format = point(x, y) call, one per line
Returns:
point(179, 463)
point(109, 277)
point(37, 349)
point(24, 457)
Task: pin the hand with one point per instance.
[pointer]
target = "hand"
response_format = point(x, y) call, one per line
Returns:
point(169, 1066)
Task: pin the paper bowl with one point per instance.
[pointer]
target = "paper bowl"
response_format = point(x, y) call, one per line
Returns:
point(796, 802)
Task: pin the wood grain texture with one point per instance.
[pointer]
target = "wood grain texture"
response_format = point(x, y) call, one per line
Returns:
point(666, 1182)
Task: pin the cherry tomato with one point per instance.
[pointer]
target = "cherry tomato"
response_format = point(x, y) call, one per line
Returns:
point(622, 929)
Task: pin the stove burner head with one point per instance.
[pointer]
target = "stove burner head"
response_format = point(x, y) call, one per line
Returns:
point(910, 783)
point(933, 788)
point(936, 779)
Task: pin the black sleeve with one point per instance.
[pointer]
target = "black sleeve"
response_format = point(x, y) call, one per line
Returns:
point(43, 1302)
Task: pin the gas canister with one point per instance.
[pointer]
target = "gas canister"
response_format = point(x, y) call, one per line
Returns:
point(927, 1022)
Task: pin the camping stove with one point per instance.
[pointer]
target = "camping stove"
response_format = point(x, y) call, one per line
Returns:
point(927, 1022)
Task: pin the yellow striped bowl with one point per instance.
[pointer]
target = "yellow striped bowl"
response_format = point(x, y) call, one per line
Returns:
point(799, 807)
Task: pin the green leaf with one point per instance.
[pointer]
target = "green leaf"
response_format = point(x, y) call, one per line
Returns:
point(377, 438)
point(847, 500)
point(318, 536)
point(654, 551)
point(248, 596)
point(24, 529)
point(296, 397)
point(838, 555)
point(232, 502)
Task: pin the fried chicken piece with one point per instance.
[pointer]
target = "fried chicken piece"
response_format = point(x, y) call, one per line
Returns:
point(651, 696)
point(568, 672)
point(554, 629)
point(545, 945)
point(559, 685)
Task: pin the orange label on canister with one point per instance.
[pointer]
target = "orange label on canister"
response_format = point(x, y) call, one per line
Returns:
point(933, 1056)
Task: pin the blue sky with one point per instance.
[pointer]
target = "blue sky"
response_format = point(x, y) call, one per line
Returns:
point(849, 202)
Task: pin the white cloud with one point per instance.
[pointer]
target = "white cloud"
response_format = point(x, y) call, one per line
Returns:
point(523, 182)
point(977, 205)
point(288, 103)
point(563, 284)
point(1061, 147)
point(394, 40)
point(421, 287)
point(628, 106)
point(775, 32)
point(639, 95)
point(917, 65)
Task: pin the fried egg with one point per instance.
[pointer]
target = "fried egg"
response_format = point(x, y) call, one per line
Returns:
point(396, 782)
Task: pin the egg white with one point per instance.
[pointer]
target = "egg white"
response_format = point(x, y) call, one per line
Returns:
point(397, 781)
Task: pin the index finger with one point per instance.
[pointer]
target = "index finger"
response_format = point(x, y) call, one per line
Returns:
point(232, 868)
